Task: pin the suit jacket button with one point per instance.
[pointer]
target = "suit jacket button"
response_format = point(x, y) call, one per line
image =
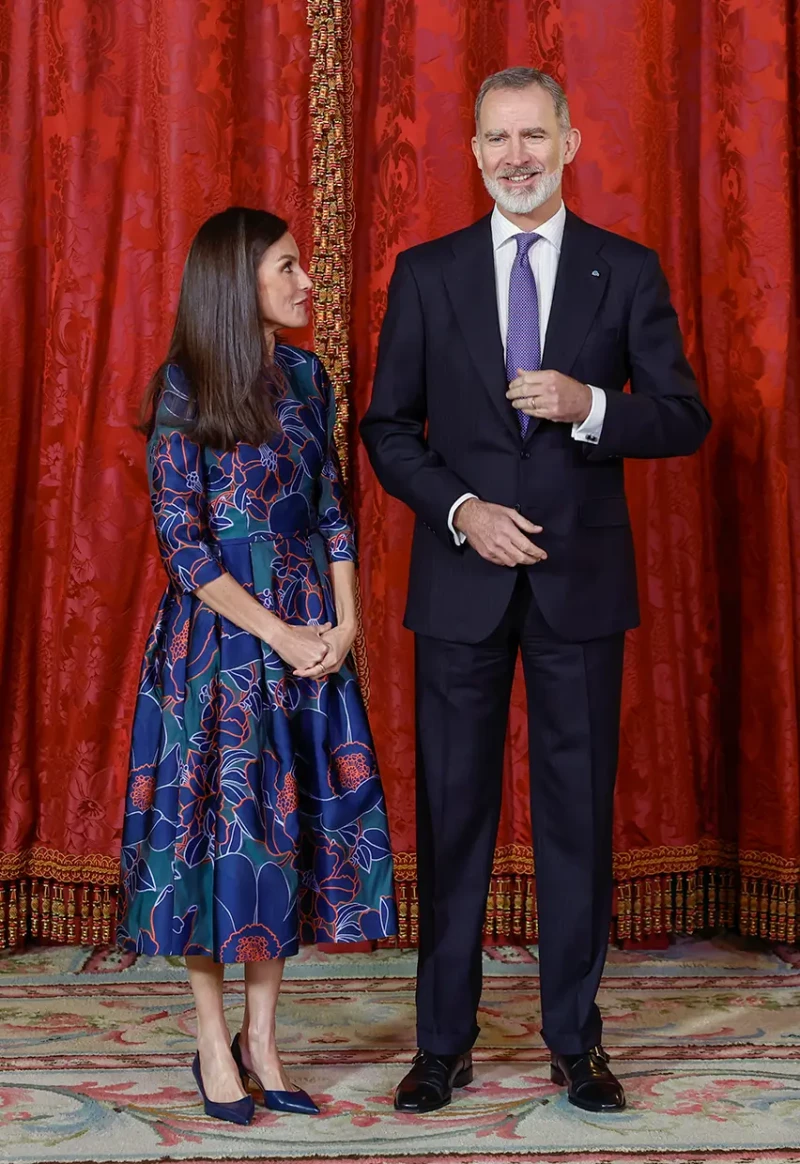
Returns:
point(518, 508)
point(525, 455)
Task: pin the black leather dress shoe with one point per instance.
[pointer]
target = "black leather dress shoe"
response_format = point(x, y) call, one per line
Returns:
point(590, 1083)
point(430, 1082)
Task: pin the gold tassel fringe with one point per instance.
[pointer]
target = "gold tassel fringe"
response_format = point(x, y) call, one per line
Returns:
point(683, 903)
point(40, 909)
point(43, 909)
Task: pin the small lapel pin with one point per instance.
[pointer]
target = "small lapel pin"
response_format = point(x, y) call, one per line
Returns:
point(596, 274)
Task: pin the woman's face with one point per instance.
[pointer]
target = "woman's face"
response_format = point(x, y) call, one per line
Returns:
point(284, 289)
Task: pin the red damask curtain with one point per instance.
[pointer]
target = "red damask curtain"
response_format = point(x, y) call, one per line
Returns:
point(123, 126)
point(690, 121)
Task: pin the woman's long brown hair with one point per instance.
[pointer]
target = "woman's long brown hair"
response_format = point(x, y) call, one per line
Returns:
point(218, 339)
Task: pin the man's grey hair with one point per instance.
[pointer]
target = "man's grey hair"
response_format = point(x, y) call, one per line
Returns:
point(520, 77)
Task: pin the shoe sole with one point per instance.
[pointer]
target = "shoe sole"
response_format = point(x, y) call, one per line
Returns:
point(597, 1108)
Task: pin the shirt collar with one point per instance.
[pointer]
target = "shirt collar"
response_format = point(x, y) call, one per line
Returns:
point(553, 230)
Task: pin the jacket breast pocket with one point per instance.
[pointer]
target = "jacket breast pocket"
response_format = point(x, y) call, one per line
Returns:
point(604, 511)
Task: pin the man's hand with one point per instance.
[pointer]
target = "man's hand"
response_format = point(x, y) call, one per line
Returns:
point(498, 533)
point(551, 396)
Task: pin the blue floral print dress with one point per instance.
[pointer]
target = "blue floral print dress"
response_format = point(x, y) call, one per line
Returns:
point(255, 817)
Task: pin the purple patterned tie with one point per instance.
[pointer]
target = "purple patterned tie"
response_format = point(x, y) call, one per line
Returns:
point(522, 342)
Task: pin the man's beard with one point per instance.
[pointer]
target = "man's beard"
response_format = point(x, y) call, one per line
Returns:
point(523, 201)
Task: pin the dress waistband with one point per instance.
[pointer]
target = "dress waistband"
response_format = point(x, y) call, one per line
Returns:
point(263, 536)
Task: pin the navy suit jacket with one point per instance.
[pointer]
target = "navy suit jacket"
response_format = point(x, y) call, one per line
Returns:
point(440, 425)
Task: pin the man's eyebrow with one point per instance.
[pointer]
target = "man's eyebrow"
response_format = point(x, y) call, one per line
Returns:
point(504, 132)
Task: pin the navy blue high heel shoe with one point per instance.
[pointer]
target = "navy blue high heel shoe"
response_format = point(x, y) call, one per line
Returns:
point(297, 1102)
point(241, 1111)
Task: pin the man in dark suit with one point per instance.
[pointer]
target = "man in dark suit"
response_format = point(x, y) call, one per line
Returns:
point(498, 415)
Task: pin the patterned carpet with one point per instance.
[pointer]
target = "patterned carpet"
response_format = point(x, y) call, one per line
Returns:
point(96, 1050)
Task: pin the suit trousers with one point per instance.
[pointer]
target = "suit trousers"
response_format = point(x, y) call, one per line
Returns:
point(463, 694)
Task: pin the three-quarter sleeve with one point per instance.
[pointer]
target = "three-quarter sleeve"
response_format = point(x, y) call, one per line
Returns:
point(335, 519)
point(177, 493)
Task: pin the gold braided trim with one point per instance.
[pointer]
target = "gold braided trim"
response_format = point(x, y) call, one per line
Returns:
point(332, 180)
point(518, 860)
point(509, 860)
point(360, 650)
point(767, 866)
point(40, 861)
point(678, 859)
point(330, 103)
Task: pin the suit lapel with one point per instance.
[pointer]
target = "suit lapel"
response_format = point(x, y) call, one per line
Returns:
point(470, 282)
point(579, 290)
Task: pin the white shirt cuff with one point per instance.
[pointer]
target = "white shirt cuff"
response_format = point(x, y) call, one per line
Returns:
point(591, 428)
point(458, 536)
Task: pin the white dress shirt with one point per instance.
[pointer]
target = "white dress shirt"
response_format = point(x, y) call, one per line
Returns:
point(543, 257)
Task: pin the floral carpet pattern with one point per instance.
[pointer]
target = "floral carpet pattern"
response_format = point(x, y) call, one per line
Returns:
point(96, 1048)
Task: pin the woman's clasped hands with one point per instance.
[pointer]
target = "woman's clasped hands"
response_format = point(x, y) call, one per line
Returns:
point(313, 651)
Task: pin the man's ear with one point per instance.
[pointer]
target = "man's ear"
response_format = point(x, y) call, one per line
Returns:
point(573, 144)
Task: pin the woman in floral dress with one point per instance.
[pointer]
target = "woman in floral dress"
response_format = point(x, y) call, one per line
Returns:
point(255, 817)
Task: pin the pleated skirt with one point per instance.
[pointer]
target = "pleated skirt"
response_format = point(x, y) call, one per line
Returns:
point(255, 818)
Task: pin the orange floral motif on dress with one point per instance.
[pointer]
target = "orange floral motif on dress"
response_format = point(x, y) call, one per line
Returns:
point(180, 643)
point(253, 943)
point(352, 768)
point(142, 792)
point(288, 799)
point(252, 949)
